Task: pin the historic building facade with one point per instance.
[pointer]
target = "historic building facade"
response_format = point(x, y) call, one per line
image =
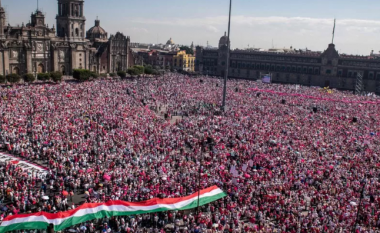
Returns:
point(183, 61)
point(38, 48)
point(328, 68)
point(113, 54)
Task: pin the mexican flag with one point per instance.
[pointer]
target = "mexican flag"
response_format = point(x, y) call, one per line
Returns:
point(90, 211)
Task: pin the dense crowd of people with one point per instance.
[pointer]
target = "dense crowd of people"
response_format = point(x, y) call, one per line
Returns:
point(290, 158)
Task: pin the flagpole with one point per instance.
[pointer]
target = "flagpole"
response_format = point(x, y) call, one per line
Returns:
point(332, 42)
point(228, 61)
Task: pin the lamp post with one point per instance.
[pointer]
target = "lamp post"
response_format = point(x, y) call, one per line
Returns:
point(199, 174)
point(364, 183)
point(203, 150)
point(31, 113)
point(228, 60)
point(97, 137)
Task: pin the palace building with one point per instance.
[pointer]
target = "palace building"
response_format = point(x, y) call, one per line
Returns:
point(38, 48)
point(291, 66)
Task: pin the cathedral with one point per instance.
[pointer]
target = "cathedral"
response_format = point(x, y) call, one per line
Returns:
point(37, 48)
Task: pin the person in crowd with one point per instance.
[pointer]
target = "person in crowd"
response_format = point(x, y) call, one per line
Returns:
point(291, 158)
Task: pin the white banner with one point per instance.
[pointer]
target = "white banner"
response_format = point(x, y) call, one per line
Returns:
point(26, 166)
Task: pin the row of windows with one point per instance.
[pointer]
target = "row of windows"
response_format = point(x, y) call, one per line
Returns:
point(275, 58)
point(353, 74)
point(272, 67)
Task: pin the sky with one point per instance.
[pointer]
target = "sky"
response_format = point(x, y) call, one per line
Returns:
point(255, 23)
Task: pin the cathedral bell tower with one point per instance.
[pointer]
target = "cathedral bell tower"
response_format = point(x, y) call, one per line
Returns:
point(38, 19)
point(71, 20)
point(2, 22)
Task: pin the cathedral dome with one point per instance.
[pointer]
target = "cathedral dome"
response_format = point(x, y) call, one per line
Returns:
point(223, 40)
point(170, 42)
point(97, 32)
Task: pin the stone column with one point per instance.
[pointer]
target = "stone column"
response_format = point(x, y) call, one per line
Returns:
point(55, 60)
point(73, 59)
point(6, 62)
point(29, 66)
point(86, 60)
point(2, 62)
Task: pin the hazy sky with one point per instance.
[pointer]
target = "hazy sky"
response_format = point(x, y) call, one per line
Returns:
point(297, 23)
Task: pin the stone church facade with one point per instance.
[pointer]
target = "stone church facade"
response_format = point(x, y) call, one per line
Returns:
point(37, 48)
point(328, 68)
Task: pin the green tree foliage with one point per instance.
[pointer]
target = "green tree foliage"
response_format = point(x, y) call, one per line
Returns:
point(13, 78)
point(112, 75)
point(187, 49)
point(148, 69)
point(122, 74)
point(2, 79)
point(140, 69)
point(82, 74)
point(43, 76)
point(29, 78)
point(136, 70)
point(94, 75)
point(56, 76)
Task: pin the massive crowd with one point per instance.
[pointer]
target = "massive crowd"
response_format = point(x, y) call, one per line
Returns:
point(290, 158)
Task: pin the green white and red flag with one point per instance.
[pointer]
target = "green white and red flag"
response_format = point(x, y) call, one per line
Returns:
point(91, 211)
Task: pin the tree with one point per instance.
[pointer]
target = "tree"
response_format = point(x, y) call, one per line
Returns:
point(103, 75)
point(2, 79)
point(122, 74)
point(29, 78)
point(136, 70)
point(187, 49)
point(140, 69)
point(43, 76)
point(94, 75)
point(82, 74)
point(56, 76)
point(112, 75)
point(148, 69)
point(13, 78)
point(132, 71)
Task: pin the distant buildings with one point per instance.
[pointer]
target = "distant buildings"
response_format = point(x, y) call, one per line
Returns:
point(183, 61)
point(327, 68)
point(164, 56)
point(169, 46)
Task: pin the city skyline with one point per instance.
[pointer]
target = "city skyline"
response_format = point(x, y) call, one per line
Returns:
point(254, 24)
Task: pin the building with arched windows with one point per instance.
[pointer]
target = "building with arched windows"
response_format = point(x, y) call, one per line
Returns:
point(293, 66)
point(38, 48)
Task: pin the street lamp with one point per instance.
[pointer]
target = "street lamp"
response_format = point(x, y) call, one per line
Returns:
point(203, 150)
point(199, 175)
point(97, 137)
point(228, 60)
point(364, 183)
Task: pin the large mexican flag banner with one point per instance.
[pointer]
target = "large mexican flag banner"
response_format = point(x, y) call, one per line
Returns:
point(90, 211)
